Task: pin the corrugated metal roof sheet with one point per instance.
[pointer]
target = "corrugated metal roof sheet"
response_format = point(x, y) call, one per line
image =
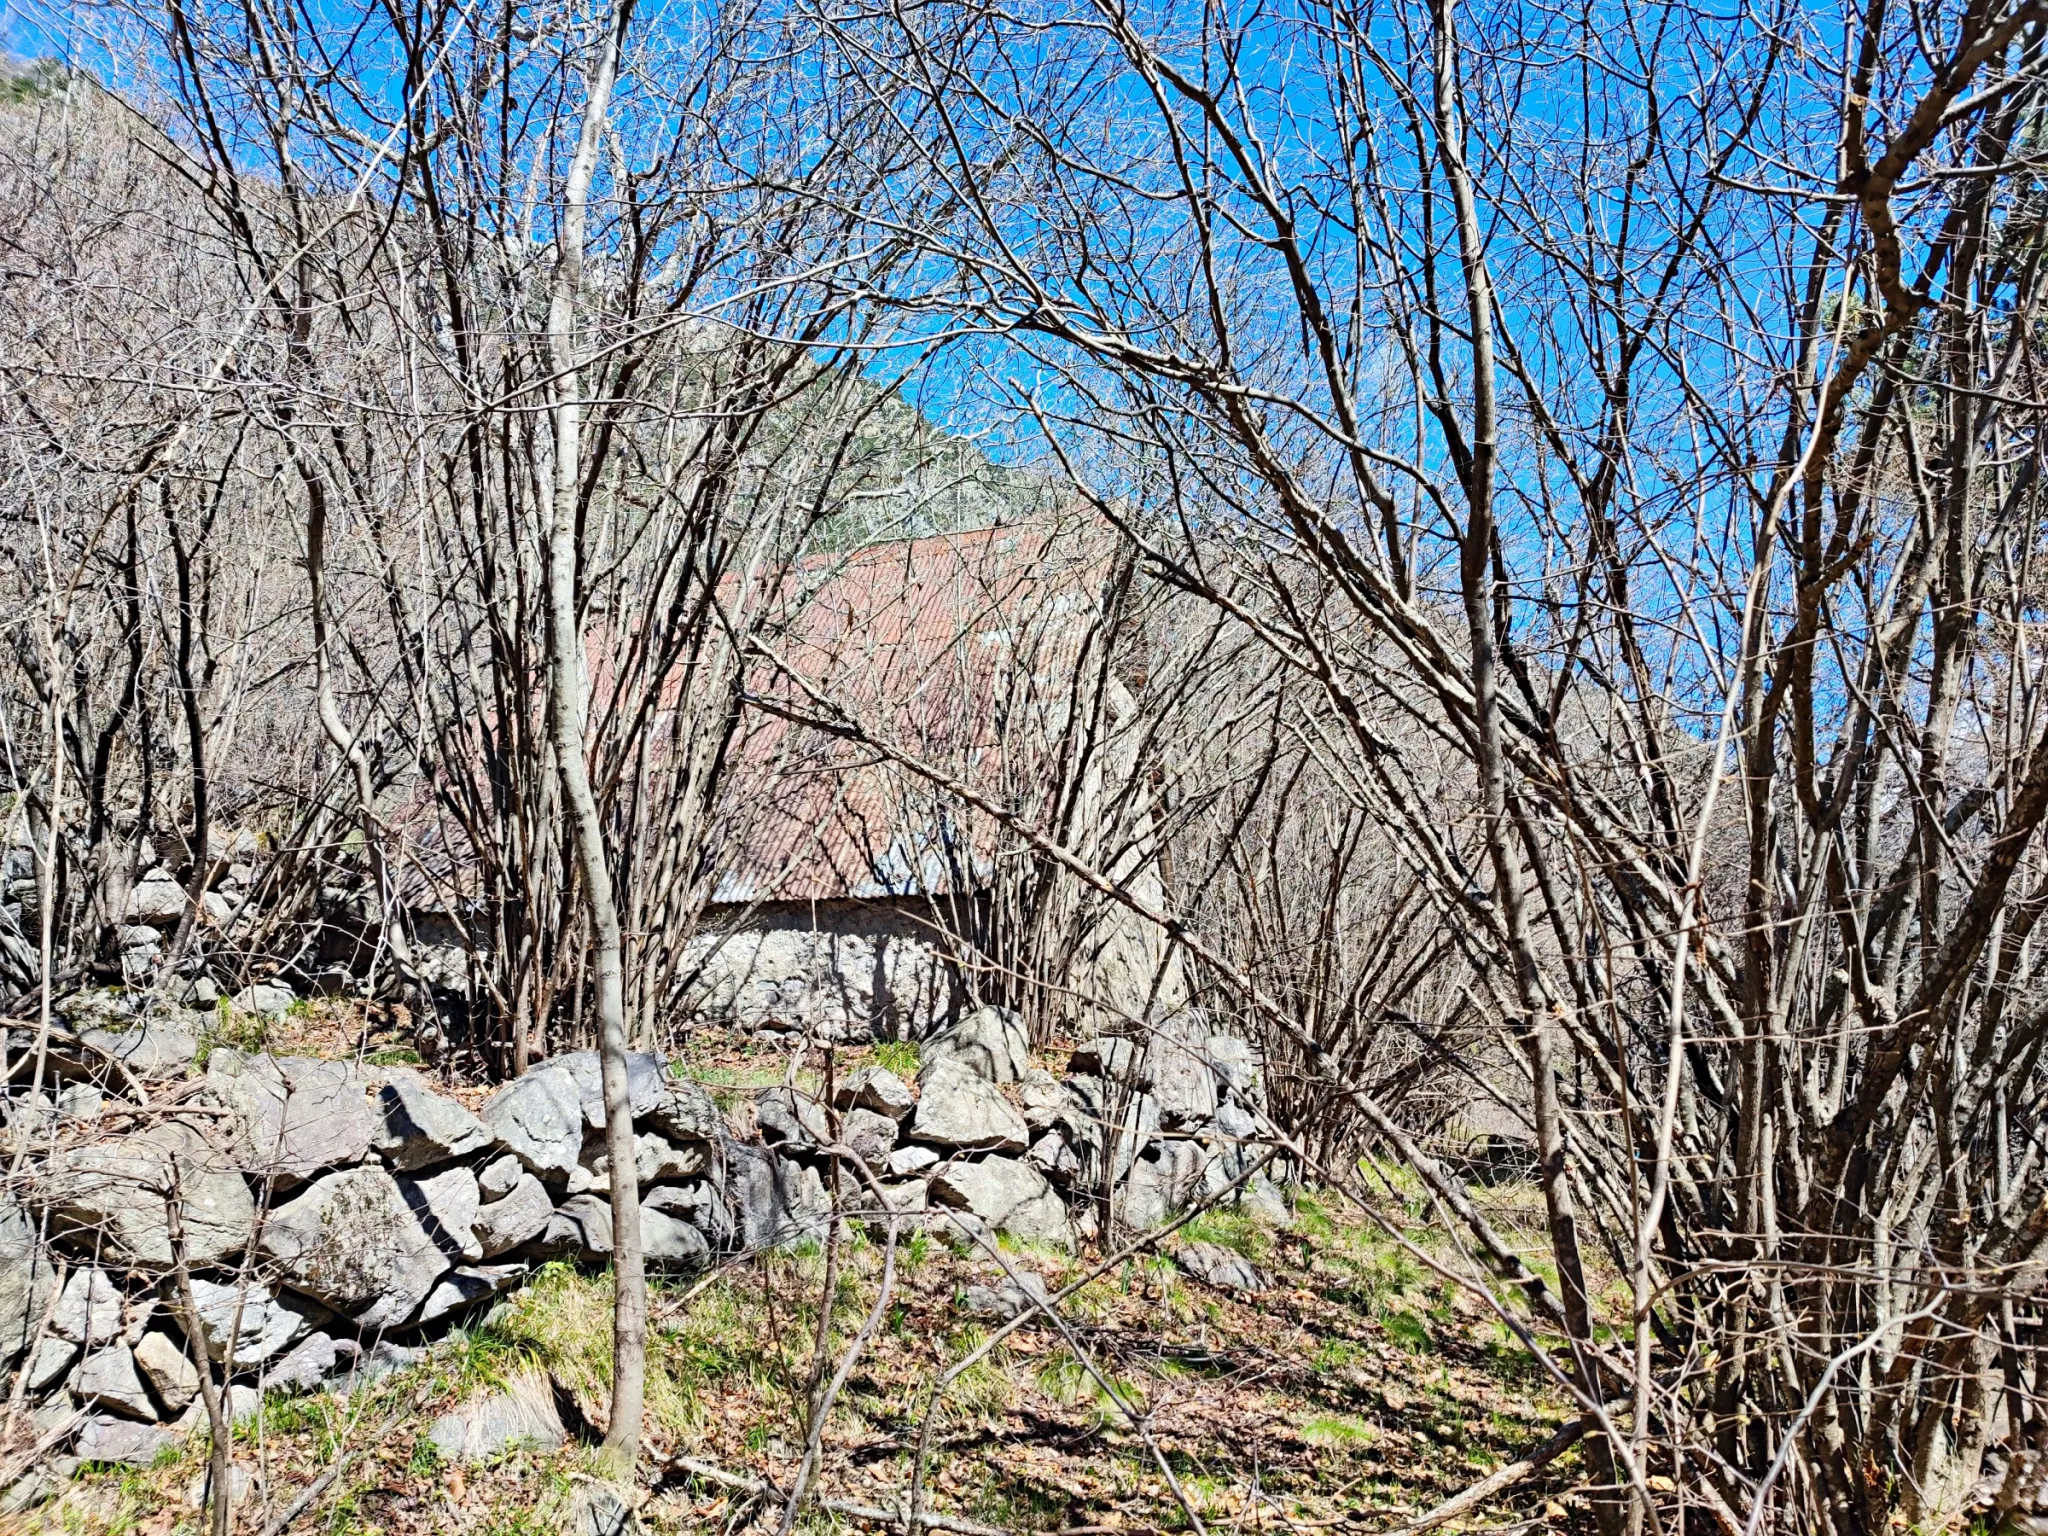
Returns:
point(948, 646)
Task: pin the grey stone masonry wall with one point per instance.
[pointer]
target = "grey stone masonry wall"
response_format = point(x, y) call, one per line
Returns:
point(332, 1214)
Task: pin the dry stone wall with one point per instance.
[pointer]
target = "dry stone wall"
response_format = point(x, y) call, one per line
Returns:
point(331, 1215)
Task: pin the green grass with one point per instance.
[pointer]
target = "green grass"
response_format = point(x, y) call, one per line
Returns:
point(1406, 1329)
point(1237, 1230)
point(898, 1056)
point(1065, 1380)
point(395, 1056)
point(1337, 1431)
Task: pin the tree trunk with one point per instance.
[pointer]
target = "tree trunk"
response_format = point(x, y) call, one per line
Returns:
point(567, 708)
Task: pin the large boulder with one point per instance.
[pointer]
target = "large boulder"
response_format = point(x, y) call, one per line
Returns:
point(108, 1379)
point(877, 1090)
point(517, 1218)
point(155, 1052)
point(776, 1200)
point(352, 1243)
point(1008, 1195)
point(109, 1196)
point(416, 1127)
point(446, 1204)
point(990, 1042)
point(539, 1118)
point(168, 1370)
point(26, 1276)
point(259, 1322)
point(959, 1108)
point(299, 1116)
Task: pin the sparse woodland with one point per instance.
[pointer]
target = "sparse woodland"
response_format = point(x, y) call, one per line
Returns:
point(1533, 522)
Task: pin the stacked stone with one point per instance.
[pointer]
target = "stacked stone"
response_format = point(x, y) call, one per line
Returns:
point(948, 1158)
point(325, 1212)
point(1159, 1125)
point(329, 1211)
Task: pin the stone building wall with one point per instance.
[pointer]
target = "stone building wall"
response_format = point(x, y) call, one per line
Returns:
point(844, 970)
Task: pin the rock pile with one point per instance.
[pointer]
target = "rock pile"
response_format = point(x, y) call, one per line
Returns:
point(326, 1213)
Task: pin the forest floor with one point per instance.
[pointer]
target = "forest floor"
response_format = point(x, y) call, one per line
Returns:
point(1360, 1389)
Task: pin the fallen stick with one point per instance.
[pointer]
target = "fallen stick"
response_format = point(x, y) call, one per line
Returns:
point(312, 1491)
point(872, 1512)
point(1498, 1482)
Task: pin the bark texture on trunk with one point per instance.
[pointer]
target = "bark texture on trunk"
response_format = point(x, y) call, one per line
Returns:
point(567, 710)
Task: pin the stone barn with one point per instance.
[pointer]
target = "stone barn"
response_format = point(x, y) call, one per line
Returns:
point(846, 880)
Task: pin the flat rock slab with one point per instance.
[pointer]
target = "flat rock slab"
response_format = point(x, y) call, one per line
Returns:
point(299, 1115)
point(959, 1108)
point(520, 1416)
point(1009, 1196)
point(126, 1441)
point(108, 1195)
point(352, 1242)
point(416, 1127)
point(153, 1052)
